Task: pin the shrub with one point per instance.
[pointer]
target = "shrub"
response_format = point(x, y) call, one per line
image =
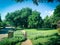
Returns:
point(54, 41)
point(10, 41)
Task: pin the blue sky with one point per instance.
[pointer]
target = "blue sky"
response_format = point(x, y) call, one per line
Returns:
point(11, 6)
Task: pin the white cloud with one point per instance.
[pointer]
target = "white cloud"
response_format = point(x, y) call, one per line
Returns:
point(49, 12)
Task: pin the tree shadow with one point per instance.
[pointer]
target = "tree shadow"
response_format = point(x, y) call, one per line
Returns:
point(5, 30)
point(45, 29)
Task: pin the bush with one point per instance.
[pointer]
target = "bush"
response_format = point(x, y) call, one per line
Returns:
point(54, 41)
point(17, 37)
point(10, 41)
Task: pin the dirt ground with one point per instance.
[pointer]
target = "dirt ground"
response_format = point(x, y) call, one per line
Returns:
point(27, 42)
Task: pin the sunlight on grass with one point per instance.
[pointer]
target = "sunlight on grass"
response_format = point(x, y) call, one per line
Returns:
point(32, 33)
point(37, 36)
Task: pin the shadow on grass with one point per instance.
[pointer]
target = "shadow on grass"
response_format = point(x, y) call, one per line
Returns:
point(19, 29)
point(5, 30)
point(45, 29)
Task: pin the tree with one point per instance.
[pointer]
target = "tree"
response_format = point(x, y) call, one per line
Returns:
point(19, 18)
point(53, 25)
point(25, 18)
point(22, 19)
point(47, 22)
point(38, 1)
point(25, 13)
point(55, 17)
point(54, 40)
point(0, 18)
point(56, 14)
point(35, 21)
point(10, 17)
point(0, 21)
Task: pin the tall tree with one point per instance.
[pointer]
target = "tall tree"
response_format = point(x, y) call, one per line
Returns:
point(25, 13)
point(11, 18)
point(0, 18)
point(56, 14)
point(35, 20)
point(55, 17)
point(0, 21)
point(47, 22)
point(19, 18)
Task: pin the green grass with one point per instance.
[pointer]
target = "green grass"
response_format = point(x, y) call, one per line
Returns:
point(37, 36)
point(32, 33)
point(15, 40)
point(9, 41)
point(35, 32)
point(40, 36)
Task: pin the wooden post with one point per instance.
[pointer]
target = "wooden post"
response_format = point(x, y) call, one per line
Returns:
point(10, 34)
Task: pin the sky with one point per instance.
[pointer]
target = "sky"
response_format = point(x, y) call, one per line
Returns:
point(11, 6)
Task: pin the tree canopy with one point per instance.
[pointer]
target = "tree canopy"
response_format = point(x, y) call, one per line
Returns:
point(35, 20)
point(39, 1)
point(0, 18)
point(47, 22)
point(25, 18)
point(0, 21)
point(56, 14)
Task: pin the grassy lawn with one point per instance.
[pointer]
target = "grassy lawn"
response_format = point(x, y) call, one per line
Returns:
point(32, 33)
point(37, 36)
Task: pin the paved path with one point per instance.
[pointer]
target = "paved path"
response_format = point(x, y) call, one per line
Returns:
point(4, 33)
point(3, 36)
point(27, 42)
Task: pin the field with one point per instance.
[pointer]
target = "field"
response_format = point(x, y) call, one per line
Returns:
point(37, 36)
